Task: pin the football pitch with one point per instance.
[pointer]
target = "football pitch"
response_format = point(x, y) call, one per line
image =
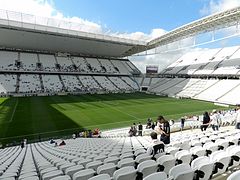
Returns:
point(48, 116)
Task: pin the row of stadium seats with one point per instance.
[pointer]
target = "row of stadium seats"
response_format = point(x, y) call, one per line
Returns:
point(35, 83)
point(207, 61)
point(207, 154)
point(215, 90)
point(43, 62)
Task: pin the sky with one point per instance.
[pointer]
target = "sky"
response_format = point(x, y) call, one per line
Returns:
point(136, 19)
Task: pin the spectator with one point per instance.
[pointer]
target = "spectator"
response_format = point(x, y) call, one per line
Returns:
point(80, 134)
point(237, 119)
point(164, 130)
point(25, 142)
point(156, 145)
point(182, 122)
point(215, 120)
point(149, 123)
point(74, 136)
point(62, 143)
point(22, 144)
point(134, 129)
point(153, 125)
point(140, 129)
point(52, 141)
point(206, 120)
point(90, 133)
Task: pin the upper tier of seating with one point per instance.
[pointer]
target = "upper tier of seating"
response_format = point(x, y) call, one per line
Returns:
point(207, 61)
point(47, 62)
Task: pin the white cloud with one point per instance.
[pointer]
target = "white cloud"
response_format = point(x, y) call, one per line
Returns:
point(142, 36)
point(215, 6)
point(45, 8)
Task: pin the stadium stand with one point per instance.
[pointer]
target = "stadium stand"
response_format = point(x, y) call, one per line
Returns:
point(206, 74)
point(8, 83)
point(44, 81)
point(88, 157)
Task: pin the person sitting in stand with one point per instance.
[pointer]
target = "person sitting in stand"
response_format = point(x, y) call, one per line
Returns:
point(156, 145)
point(52, 141)
point(62, 143)
point(149, 123)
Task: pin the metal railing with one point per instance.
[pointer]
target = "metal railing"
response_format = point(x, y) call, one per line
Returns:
point(53, 25)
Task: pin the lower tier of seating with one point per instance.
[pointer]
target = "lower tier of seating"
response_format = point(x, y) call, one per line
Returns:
point(191, 154)
point(214, 90)
point(50, 84)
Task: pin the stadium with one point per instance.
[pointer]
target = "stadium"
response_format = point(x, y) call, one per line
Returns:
point(59, 83)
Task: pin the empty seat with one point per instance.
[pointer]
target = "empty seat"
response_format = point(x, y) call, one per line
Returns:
point(93, 165)
point(125, 173)
point(203, 164)
point(181, 172)
point(167, 162)
point(84, 162)
point(44, 171)
point(64, 177)
point(112, 159)
point(234, 176)
point(211, 147)
point(28, 178)
point(221, 157)
point(156, 176)
point(184, 156)
point(142, 157)
point(198, 151)
point(52, 174)
point(234, 151)
point(83, 174)
point(63, 167)
point(73, 169)
point(126, 162)
point(108, 168)
point(147, 167)
point(101, 177)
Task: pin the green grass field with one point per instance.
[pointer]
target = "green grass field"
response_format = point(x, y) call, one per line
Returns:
point(34, 115)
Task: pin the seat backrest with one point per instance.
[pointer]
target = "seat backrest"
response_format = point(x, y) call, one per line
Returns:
point(234, 176)
point(125, 173)
point(156, 176)
point(189, 174)
point(199, 161)
point(108, 168)
point(146, 164)
point(159, 148)
point(179, 169)
point(101, 177)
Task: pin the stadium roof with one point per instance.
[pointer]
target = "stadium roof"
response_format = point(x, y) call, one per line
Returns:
point(28, 32)
point(210, 23)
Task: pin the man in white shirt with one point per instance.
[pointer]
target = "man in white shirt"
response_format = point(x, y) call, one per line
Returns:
point(156, 147)
point(215, 120)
